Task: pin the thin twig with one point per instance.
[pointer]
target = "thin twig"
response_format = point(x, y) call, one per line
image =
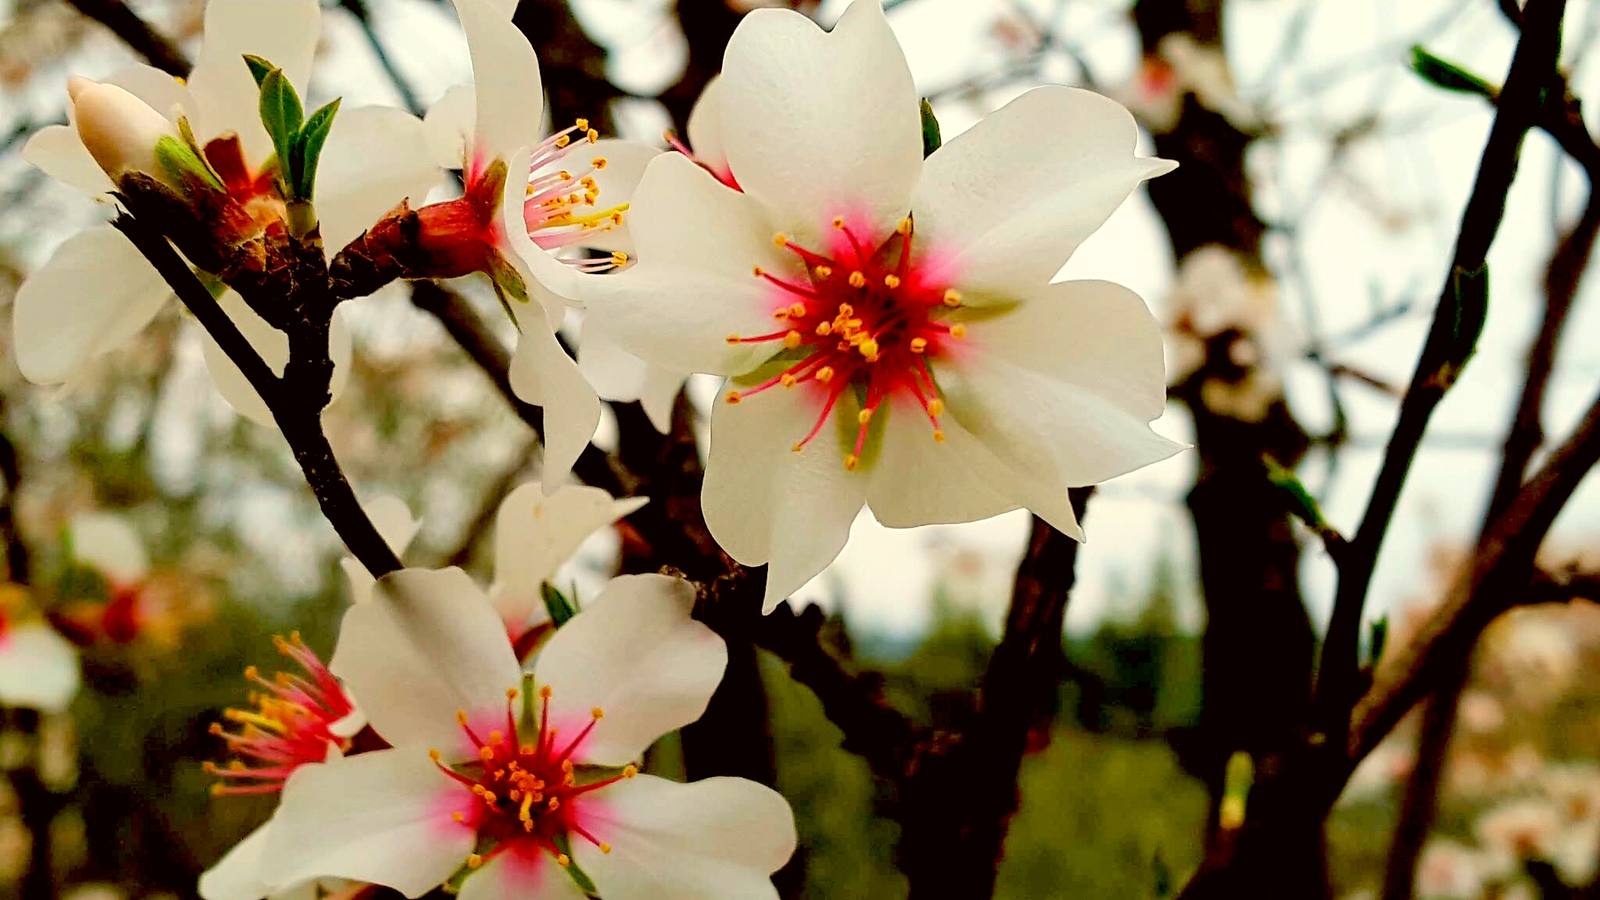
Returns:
point(136, 33)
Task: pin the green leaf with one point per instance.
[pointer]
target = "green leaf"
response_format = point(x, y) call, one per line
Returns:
point(259, 68)
point(1447, 75)
point(281, 114)
point(1301, 504)
point(307, 150)
point(560, 608)
point(931, 139)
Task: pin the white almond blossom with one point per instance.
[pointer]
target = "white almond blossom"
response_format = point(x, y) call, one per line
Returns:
point(38, 667)
point(488, 784)
point(899, 344)
point(97, 291)
point(527, 196)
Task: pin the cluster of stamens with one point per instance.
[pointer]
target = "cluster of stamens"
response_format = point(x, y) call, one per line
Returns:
point(863, 318)
point(562, 206)
point(525, 791)
point(289, 723)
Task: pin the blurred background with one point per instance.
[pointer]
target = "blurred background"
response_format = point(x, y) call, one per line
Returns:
point(1294, 259)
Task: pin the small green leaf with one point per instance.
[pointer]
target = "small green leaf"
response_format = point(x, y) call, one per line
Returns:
point(560, 608)
point(307, 150)
point(281, 114)
point(1447, 75)
point(1301, 504)
point(931, 139)
point(182, 166)
point(259, 68)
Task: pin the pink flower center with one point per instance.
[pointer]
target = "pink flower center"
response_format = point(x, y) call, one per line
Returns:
point(562, 207)
point(290, 724)
point(526, 791)
point(868, 317)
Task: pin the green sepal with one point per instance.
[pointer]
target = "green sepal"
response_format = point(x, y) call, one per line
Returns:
point(563, 842)
point(931, 137)
point(508, 285)
point(1448, 76)
point(307, 150)
point(556, 603)
point(182, 166)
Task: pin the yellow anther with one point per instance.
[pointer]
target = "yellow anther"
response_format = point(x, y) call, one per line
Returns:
point(938, 436)
point(734, 397)
point(732, 339)
point(435, 755)
point(858, 280)
point(823, 272)
point(605, 847)
point(952, 298)
point(850, 462)
point(868, 348)
point(865, 416)
point(458, 818)
point(630, 770)
point(935, 407)
point(474, 860)
point(797, 447)
point(583, 124)
point(525, 812)
point(824, 329)
point(511, 693)
point(461, 717)
point(597, 713)
point(825, 374)
point(891, 281)
point(797, 309)
point(918, 344)
point(904, 226)
point(780, 240)
point(592, 135)
point(757, 271)
point(563, 860)
point(781, 312)
point(599, 162)
point(788, 380)
point(486, 753)
point(838, 222)
point(958, 331)
point(846, 310)
point(618, 258)
point(545, 692)
point(792, 339)
point(563, 140)
point(554, 804)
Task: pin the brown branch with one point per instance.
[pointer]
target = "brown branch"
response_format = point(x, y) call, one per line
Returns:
point(16, 552)
point(136, 33)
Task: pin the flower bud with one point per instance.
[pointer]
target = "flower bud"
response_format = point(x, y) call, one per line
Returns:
point(120, 130)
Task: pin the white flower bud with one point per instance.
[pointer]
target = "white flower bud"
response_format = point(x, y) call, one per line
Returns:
point(120, 130)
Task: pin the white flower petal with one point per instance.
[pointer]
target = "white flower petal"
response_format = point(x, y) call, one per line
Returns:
point(521, 872)
point(38, 668)
point(716, 839)
point(159, 90)
point(239, 874)
point(1064, 386)
point(705, 128)
point(535, 532)
point(284, 32)
point(449, 124)
point(692, 287)
point(615, 184)
point(381, 817)
point(505, 72)
point(821, 124)
point(635, 653)
point(107, 543)
point(1006, 202)
point(56, 151)
point(765, 503)
point(425, 646)
point(94, 294)
point(273, 347)
point(375, 157)
point(918, 481)
point(543, 374)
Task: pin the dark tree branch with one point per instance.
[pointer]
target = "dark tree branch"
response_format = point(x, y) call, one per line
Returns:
point(136, 33)
point(363, 17)
point(16, 552)
point(293, 399)
point(1532, 67)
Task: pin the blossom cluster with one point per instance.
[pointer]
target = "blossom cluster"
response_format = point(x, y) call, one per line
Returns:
point(882, 313)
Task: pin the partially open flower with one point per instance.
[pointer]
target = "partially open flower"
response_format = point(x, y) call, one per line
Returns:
point(118, 129)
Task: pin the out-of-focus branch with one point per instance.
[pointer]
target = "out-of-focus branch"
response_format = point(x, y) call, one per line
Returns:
point(1443, 353)
point(136, 33)
point(408, 97)
point(16, 552)
point(289, 397)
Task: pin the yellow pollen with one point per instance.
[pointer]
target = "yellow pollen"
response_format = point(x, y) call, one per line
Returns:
point(252, 673)
point(891, 281)
point(780, 240)
point(781, 313)
point(545, 692)
point(630, 770)
point(458, 818)
point(792, 340)
point(435, 755)
point(757, 271)
point(938, 436)
point(797, 309)
point(732, 339)
point(554, 804)
point(865, 416)
point(952, 298)
point(958, 331)
point(592, 135)
point(563, 860)
point(869, 349)
point(734, 397)
point(838, 222)
point(486, 753)
point(919, 344)
point(788, 380)
point(583, 124)
point(598, 713)
point(525, 811)
point(618, 258)
point(846, 310)
point(858, 280)
point(563, 140)
point(935, 407)
point(599, 162)
point(605, 847)
point(904, 226)
point(850, 462)
point(824, 329)
point(823, 272)
point(474, 860)
point(797, 447)
point(461, 717)
point(825, 374)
